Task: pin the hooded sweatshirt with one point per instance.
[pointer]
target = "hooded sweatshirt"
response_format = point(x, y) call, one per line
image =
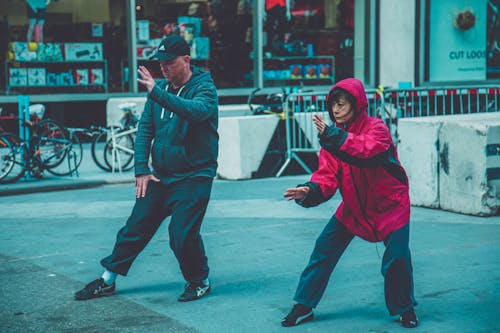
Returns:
point(182, 129)
point(360, 160)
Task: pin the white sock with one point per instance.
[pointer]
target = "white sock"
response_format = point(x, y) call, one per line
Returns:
point(109, 277)
point(206, 282)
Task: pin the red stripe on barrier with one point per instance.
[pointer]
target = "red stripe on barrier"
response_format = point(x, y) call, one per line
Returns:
point(451, 92)
point(432, 93)
point(473, 91)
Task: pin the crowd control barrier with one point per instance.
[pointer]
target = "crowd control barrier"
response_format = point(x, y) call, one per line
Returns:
point(387, 104)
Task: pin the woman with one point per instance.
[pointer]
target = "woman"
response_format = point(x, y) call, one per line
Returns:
point(358, 157)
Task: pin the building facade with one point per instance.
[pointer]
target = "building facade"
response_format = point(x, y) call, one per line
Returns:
point(83, 50)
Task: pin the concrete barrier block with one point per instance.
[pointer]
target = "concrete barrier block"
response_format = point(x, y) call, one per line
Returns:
point(113, 112)
point(418, 153)
point(243, 142)
point(469, 178)
point(235, 110)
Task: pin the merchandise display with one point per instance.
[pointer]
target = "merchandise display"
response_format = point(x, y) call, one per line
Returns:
point(280, 71)
point(82, 51)
point(310, 72)
point(50, 52)
point(324, 71)
point(87, 51)
point(96, 76)
point(81, 76)
point(18, 77)
point(51, 65)
point(36, 76)
point(296, 71)
point(21, 52)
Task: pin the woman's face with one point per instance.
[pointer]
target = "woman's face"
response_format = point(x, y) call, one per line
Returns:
point(342, 111)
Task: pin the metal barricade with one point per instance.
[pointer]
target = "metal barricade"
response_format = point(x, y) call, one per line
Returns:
point(299, 109)
point(436, 101)
point(389, 105)
point(301, 135)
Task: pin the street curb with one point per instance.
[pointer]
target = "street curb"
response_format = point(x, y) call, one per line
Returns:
point(59, 185)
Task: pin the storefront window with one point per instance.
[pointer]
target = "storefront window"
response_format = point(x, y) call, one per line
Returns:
point(219, 33)
point(55, 46)
point(83, 45)
point(308, 42)
point(471, 31)
point(85, 49)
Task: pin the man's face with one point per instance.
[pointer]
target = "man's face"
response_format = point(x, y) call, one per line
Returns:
point(342, 111)
point(175, 69)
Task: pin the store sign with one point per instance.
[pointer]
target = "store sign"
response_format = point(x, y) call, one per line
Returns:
point(457, 46)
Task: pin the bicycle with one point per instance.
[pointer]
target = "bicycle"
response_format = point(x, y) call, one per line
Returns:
point(113, 147)
point(46, 148)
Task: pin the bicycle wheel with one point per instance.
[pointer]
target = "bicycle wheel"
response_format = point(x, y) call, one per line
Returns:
point(73, 158)
point(120, 156)
point(7, 157)
point(97, 150)
point(12, 156)
point(49, 142)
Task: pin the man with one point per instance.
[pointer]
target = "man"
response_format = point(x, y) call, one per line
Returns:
point(180, 117)
point(358, 157)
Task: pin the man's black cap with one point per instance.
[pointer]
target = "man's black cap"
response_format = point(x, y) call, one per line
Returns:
point(171, 47)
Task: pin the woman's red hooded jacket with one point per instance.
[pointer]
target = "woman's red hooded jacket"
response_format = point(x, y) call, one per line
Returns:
point(360, 160)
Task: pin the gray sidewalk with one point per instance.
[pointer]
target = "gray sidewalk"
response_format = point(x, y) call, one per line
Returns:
point(257, 244)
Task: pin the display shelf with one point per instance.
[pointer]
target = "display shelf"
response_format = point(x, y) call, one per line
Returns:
point(318, 70)
point(56, 76)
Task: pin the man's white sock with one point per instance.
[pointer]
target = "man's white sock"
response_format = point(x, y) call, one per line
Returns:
point(206, 282)
point(109, 277)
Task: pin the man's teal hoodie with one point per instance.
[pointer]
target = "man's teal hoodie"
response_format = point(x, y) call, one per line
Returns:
point(182, 130)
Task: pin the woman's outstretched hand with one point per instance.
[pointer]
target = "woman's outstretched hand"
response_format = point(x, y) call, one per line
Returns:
point(296, 193)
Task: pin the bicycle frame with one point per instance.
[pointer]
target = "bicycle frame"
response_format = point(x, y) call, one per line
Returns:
point(117, 149)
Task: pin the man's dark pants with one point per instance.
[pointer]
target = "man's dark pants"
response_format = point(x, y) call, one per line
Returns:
point(331, 244)
point(186, 202)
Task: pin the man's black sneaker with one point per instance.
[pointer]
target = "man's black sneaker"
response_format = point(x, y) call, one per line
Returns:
point(299, 314)
point(94, 289)
point(194, 291)
point(409, 319)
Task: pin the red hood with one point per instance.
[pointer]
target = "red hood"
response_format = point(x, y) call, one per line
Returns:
point(354, 87)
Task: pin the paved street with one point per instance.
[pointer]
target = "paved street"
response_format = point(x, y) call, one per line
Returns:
point(257, 243)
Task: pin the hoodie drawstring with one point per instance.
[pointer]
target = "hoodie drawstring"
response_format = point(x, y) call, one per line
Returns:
point(163, 109)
